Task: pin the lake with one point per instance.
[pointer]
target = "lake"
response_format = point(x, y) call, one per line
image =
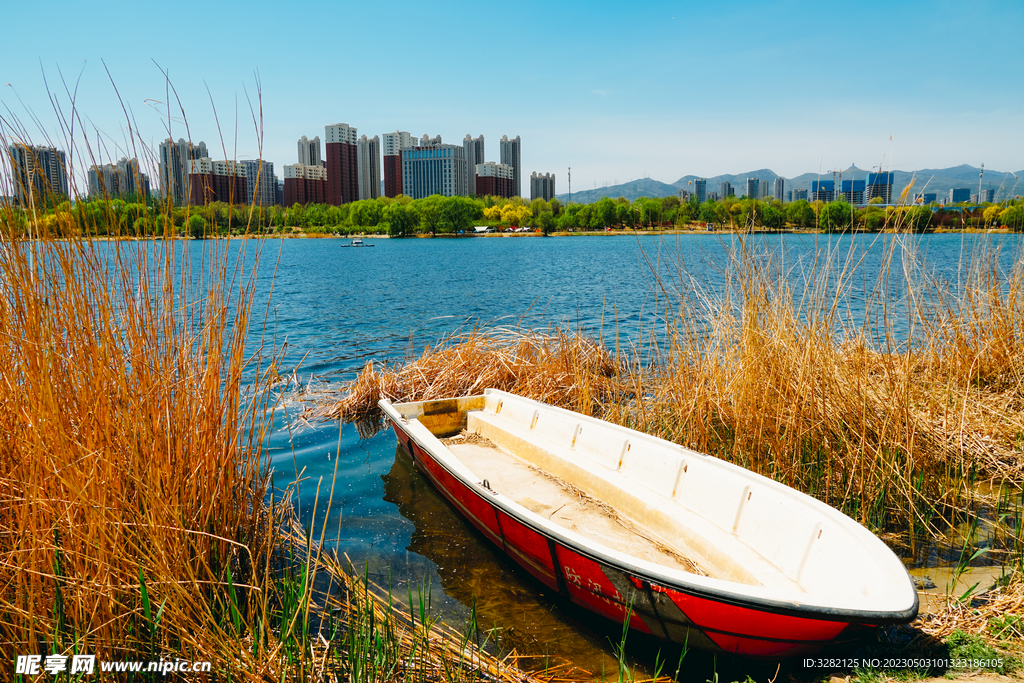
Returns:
point(336, 307)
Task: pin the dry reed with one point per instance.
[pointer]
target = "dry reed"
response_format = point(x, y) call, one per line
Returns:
point(135, 523)
point(559, 367)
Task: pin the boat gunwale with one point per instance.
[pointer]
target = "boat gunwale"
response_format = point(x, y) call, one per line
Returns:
point(717, 590)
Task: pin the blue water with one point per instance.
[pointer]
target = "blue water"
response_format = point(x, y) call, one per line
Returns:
point(333, 308)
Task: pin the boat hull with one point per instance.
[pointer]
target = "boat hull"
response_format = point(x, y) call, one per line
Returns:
point(677, 613)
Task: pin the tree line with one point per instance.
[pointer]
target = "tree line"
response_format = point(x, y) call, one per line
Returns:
point(403, 216)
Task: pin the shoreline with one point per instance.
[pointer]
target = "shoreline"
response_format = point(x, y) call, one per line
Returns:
point(591, 233)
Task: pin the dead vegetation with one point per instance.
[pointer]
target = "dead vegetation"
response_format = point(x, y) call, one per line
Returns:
point(560, 368)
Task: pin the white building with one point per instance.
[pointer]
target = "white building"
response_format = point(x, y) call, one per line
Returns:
point(310, 151)
point(174, 168)
point(511, 154)
point(261, 182)
point(474, 152)
point(368, 151)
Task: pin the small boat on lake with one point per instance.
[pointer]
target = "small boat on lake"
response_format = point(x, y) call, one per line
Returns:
point(688, 547)
point(357, 242)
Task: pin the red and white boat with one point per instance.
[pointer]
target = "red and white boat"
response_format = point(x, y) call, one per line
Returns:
point(692, 548)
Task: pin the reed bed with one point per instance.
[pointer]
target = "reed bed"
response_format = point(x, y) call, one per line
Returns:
point(995, 614)
point(556, 367)
point(136, 518)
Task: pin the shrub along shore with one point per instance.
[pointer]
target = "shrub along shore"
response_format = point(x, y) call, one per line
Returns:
point(436, 215)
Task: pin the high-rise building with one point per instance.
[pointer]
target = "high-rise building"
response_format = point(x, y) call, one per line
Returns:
point(304, 185)
point(493, 179)
point(853, 191)
point(987, 195)
point(216, 181)
point(511, 155)
point(39, 173)
point(342, 164)
point(542, 186)
point(122, 179)
point(474, 152)
point(823, 190)
point(727, 189)
point(959, 194)
point(799, 195)
point(260, 182)
point(103, 181)
point(762, 189)
point(925, 197)
point(780, 188)
point(753, 187)
point(309, 151)
point(880, 185)
point(174, 168)
point(429, 169)
point(789, 195)
point(700, 189)
point(392, 148)
point(368, 151)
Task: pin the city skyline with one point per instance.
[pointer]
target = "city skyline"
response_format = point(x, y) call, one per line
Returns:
point(666, 88)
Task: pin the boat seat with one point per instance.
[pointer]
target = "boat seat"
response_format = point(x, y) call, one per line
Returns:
point(717, 551)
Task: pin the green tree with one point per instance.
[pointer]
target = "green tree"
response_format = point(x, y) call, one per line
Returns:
point(918, 219)
point(546, 222)
point(800, 213)
point(708, 212)
point(1013, 217)
point(457, 214)
point(772, 217)
point(604, 213)
point(400, 219)
point(197, 226)
point(429, 210)
point(836, 217)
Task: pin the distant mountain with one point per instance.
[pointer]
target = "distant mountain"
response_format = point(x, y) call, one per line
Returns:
point(645, 187)
point(939, 181)
point(737, 180)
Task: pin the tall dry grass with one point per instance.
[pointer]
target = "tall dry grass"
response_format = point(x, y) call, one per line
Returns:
point(136, 519)
point(130, 470)
point(892, 427)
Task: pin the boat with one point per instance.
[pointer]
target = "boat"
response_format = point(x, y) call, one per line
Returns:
point(686, 547)
point(357, 242)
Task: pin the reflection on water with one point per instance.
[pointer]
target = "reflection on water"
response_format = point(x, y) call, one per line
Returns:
point(519, 612)
point(526, 615)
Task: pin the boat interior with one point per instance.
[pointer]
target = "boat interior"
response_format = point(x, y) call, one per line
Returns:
point(653, 500)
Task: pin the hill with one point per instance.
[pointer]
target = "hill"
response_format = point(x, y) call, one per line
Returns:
point(940, 181)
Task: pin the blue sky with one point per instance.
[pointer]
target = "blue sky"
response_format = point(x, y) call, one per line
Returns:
point(617, 91)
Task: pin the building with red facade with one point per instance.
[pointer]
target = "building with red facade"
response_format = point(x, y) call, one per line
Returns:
point(494, 179)
point(392, 146)
point(342, 164)
point(305, 185)
point(216, 181)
